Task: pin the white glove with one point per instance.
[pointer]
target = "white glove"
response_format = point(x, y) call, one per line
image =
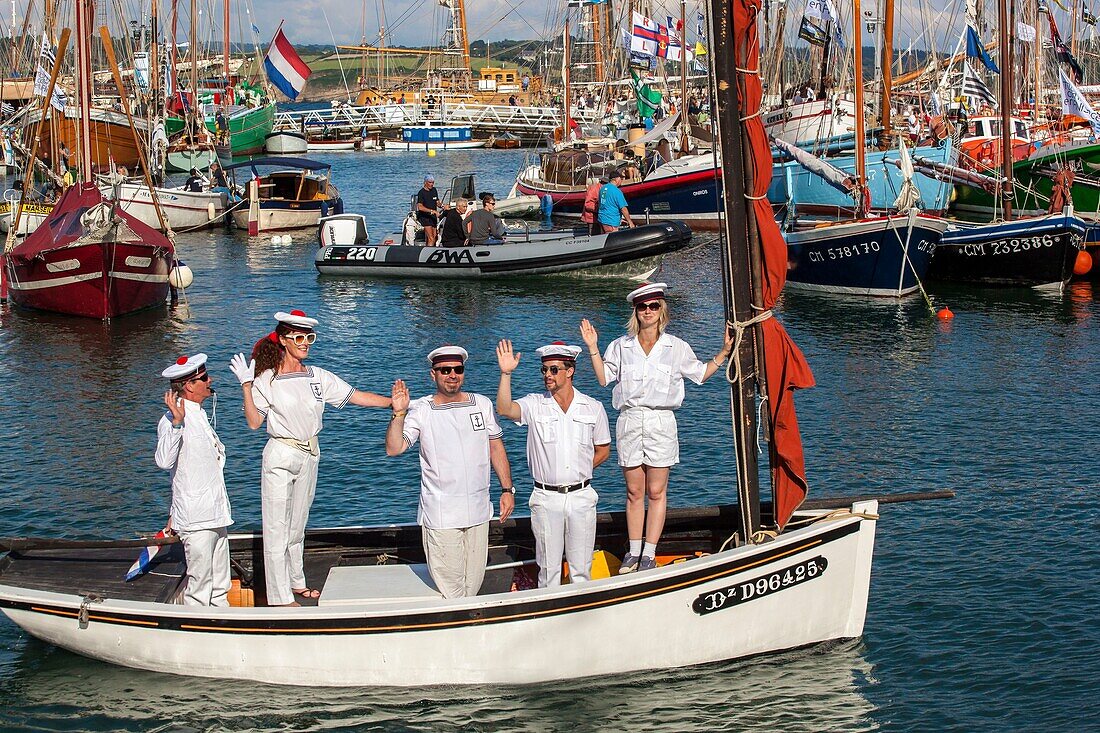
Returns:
point(244, 371)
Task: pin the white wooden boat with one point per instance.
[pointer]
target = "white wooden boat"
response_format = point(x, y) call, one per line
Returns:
point(285, 142)
point(331, 145)
point(32, 215)
point(183, 209)
point(281, 194)
point(386, 624)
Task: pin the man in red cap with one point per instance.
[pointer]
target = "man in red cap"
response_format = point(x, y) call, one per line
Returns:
point(567, 437)
point(188, 447)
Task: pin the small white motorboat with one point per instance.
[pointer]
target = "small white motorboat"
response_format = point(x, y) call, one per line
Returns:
point(290, 193)
point(285, 142)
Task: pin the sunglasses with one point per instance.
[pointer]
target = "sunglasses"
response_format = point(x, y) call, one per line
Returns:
point(553, 369)
point(301, 339)
point(447, 370)
point(204, 377)
point(652, 306)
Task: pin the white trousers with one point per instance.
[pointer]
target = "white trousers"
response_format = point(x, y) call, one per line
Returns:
point(564, 523)
point(208, 575)
point(457, 558)
point(287, 484)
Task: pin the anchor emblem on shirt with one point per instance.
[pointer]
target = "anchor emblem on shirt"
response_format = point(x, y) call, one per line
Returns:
point(478, 420)
point(316, 389)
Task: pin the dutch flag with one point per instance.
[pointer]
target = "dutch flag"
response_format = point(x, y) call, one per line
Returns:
point(285, 67)
point(145, 559)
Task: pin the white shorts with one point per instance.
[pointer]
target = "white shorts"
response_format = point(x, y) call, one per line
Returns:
point(644, 436)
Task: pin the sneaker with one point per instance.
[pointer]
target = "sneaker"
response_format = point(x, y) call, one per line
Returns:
point(630, 564)
point(647, 563)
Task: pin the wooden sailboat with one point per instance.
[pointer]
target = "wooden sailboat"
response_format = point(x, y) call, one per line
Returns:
point(1033, 251)
point(738, 580)
point(88, 258)
point(877, 256)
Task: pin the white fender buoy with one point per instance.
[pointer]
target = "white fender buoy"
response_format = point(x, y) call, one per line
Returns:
point(181, 276)
point(287, 239)
point(211, 212)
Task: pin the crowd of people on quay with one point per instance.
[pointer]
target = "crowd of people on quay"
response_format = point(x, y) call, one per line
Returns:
point(459, 440)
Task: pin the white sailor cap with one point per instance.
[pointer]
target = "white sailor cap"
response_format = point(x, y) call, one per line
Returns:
point(297, 319)
point(647, 292)
point(448, 353)
point(558, 350)
point(185, 366)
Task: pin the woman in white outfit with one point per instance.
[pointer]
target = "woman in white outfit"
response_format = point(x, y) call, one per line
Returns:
point(648, 367)
point(279, 388)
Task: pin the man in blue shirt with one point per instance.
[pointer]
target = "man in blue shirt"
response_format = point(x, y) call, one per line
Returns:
point(613, 210)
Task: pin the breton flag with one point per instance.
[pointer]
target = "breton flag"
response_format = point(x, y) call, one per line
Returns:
point(1074, 103)
point(46, 60)
point(974, 88)
point(285, 67)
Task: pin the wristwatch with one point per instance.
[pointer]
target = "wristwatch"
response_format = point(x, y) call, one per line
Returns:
point(510, 490)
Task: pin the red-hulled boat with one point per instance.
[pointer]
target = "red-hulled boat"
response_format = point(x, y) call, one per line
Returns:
point(89, 258)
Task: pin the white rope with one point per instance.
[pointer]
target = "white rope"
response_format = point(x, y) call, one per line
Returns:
point(738, 333)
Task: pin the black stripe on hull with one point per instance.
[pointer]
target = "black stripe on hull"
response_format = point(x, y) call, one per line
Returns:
point(430, 621)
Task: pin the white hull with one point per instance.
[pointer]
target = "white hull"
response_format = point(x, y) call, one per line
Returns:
point(315, 145)
point(420, 147)
point(285, 143)
point(739, 603)
point(185, 160)
point(811, 121)
point(518, 207)
point(28, 221)
point(277, 220)
point(183, 209)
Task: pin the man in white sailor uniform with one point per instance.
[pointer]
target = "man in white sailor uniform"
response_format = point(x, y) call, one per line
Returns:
point(190, 449)
point(459, 441)
point(567, 437)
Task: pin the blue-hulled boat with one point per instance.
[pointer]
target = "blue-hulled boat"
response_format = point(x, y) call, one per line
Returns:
point(434, 137)
point(884, 256)
point(803, 192)
point(1036, 252)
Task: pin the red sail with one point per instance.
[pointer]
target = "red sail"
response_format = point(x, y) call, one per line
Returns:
point(786, 367)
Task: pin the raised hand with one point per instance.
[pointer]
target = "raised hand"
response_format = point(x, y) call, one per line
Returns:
point(244, 371)
point(506, 359)
point(174, 403)
point(400, 396)
point(588, 333)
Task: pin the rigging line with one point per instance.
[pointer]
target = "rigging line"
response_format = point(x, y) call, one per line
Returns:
point(339, 61)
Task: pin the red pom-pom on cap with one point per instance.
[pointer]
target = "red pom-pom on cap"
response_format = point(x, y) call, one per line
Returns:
point(182, 360)
point(273, 337)
point(298, 313)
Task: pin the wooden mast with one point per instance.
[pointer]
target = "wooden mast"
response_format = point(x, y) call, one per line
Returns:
point(1005, 54)
point(565, 82)
point(174, 54)
point(193, 111)
point(685, 126)
point(740, 259)
point(857, 77)
point(887, 67)
point(225, 51)
point(83, 101)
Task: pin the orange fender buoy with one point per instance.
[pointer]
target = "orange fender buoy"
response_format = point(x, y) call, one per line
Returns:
point(1082, 264)
point(945, 314)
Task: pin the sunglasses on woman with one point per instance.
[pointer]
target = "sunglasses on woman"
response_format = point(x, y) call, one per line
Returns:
point(447, 370)
point(552, 369)
point(301, 339)
point(654, 306)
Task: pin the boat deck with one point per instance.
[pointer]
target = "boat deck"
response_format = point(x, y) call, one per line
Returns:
point(511, 564)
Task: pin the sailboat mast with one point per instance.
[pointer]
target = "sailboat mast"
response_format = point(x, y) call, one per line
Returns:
point(887, 65)
point(740, 259)
point(83, 101)
point(174, 55)
point(565, 82)
point(154, 58)
point(857, 79)
point(225, 51)
point(1005, 53)
point(684, 124)
point(193, 113)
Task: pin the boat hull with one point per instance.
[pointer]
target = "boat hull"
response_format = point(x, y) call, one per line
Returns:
point(187, 158)
point(113, 142)
point(807, 587)
point(883, 257)
point(691, 191)
point(29, 219)
point(184, 210)
point(806, 193)
point(628, 253)
point(285, 143)
point(101, 280)
point(806, 122)
point(1022, 253)
point(278, 216)
point(404, 146)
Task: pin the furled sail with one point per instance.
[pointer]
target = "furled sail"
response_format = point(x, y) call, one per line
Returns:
point(831, 174)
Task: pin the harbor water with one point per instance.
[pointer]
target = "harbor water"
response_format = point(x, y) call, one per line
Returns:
point(980, 613)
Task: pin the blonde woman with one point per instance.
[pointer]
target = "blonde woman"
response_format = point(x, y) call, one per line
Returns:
point(648, 366)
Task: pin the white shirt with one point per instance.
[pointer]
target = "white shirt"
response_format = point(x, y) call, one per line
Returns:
point(655, 381)
point(454, 460)
point(294, 403)
point(560, 445)
point(195, 457)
